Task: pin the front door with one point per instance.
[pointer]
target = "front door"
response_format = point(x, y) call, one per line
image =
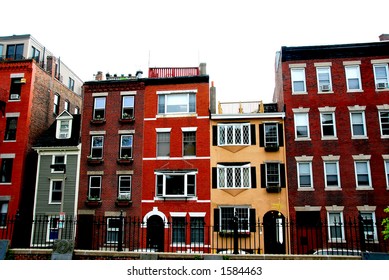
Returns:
point(274, 233)
point(155, 233)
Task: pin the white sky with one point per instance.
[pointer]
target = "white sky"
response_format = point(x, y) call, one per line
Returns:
point(236, 39)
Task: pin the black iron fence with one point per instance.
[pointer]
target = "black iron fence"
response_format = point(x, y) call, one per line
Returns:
point(121, 233)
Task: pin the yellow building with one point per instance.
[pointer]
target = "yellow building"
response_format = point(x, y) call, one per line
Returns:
point(249, 189)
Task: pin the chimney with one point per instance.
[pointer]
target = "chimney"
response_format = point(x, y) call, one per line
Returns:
point(203, 68)
point(384, 37)
point(212, 99)
point(99, 76)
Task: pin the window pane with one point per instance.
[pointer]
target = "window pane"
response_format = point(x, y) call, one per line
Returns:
point(163, 144)
point(175, 184)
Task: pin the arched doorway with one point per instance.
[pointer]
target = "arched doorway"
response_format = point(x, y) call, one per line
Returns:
point(274, 233)
point(155, 233)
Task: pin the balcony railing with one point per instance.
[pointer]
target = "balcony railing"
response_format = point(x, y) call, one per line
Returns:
point(171, 72)
point(246, 107)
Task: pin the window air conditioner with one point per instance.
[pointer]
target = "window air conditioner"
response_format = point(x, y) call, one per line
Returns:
point(325, 87)
point(382, 85)
point(124, 196)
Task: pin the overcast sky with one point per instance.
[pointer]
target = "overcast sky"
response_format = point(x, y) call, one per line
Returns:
point(236, 39)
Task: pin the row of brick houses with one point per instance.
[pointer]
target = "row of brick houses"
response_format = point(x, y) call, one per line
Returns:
point(163, 166)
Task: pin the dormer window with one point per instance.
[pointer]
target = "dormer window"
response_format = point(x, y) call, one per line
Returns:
point(64, 125)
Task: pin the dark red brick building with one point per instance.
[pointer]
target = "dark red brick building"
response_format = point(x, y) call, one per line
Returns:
point(337, 135)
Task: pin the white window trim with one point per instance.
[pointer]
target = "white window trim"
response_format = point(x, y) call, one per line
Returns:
point(241, 125)
point(387, 76)
point(300, 111)
point(331, 159)
point(51, 190)
point(386, 160)
point(300, 67)
point(362, 158)
point(299, 187)
point(324, 66)
point(328, 110)
point(350, 64)
point(180, 196)
point(335, 209)
point(361, 110)
point(220, 166)
point(370, 210)
point(49, 227)
point(53, 162)
point(382, 108)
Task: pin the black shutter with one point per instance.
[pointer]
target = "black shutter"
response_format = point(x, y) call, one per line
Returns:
point(253, 220)
point(214, 177)
point(214, 135)
point(216, 219)
point(263, 176)
point(261, 135)
point(280, 135)
point(282, 175)
point(252, 132)
point(253, 178)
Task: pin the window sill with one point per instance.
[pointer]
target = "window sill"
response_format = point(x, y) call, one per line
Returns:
point(332, 189)
point(123, 203)
point(97, 121)
point(300, 189)
point(300, 93)
point(325, 92)
point(273, 189)
point(365, 188)
point(93, 203)
point(326, 138)
point(175, 198)
point(355, 91)
point(177, 115)
point(127, 120)
point(359, 137)
point(272, 148)
point(124, 161)
point(95, 161)
point(303, 139)
point(380, 90)
point(9, 141)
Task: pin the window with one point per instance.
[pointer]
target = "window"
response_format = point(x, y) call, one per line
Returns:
point(328, 127)
point(35, 54)
point(64, 129)
point(76, 110)
point(362, 173)
point(163, 144)
point(15, 52)
point(271, 134)
point(71, 84)
point(358, 126)
point(384, 122)
point(381, 76)
point(331, 174)
point(335, 226)
point(52, 228)
point(56, 104)
point(126, 146)
point(173, 103)
point(304, 170)
point(6, 170)
point(301, 124)
point(189, 143)
point(272, 174)
point(197, 230)
point(59, 161)
point(387, 172)
point(227, 215)
point(16, 88)
point(99, 108)
point(324, 79)
point(234, 176)
point(10, 129)
point(234, 134)
point(56, 192)
point(125, 187)
point(94, 190)
point(298, 80)
point(369, 226)
point(178, 230)
point(353, 78)
point(176, 184)
point(66, 105)
point(113, 226)
point(3, 213)
point(127, 107)
point(97, 146)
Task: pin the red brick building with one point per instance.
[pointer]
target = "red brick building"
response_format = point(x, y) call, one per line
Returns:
point(33, 91)
point(337, 135)
point(176, 160)
point(111, 156)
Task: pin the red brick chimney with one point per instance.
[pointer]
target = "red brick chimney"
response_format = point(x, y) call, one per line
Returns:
point(99, 76)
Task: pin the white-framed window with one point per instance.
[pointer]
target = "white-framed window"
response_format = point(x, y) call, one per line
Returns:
point(56, 191)
point(362, 173)
point(128, 106)
point(76, 110)
point(381, 78)
point(64, 126)
point(178, 230)
point(386, 162)
point(384, 122)
point(99, 108)
point(94, 187)
point(237, 176)
point(298, 80)
point(358, 124)
point(301, 126)
point(66, 105)
point(71, 84)
point(304, 175)
point(126, 146)
point(328, 125)
point(189, 143)
point(182, 102)
point(234, 134)
point(59, 161)
point(56, 103)
point(176, 184)
point(124, 187)
point(369, 226)
point(331, 174)
point(353, 78)
point(163, 144)
point(273, 175)
point(113, 226)
point(52, 228)
point(227, 215)
point(197, 230)
point(271, 134)
point(335, 226)
point(97, 145)
point(3, 213)
point(324, 82)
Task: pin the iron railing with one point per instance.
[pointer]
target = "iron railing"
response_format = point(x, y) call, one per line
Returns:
point(137, 235)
